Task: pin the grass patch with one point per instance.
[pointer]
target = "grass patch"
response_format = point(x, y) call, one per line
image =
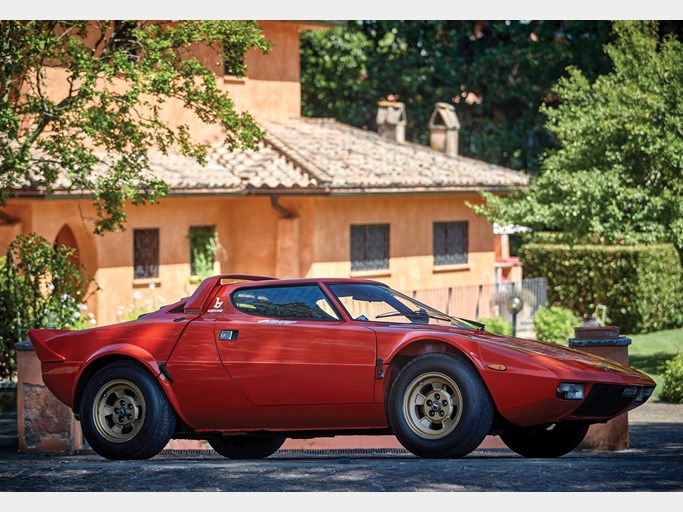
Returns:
point(649, 353)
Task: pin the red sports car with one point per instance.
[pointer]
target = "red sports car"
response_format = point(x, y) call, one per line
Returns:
point(249, 361)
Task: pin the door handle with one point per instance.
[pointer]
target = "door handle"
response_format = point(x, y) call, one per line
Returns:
point(226, 335)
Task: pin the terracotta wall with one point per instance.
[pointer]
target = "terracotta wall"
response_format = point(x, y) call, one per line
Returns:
point(256, 239)
point(270, 91)
point(411, 219)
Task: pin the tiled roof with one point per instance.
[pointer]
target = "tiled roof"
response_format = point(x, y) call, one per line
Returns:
point(327, 156)
point(237, 170)
point(342, 157)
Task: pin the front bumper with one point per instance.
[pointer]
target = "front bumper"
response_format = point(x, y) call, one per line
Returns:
point(606, 401)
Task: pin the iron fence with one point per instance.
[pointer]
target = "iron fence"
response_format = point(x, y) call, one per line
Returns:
point(488, 300)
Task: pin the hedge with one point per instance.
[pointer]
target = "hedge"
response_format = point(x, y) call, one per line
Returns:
point(641, 285)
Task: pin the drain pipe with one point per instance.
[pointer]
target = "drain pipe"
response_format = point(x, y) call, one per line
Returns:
point(280, 209)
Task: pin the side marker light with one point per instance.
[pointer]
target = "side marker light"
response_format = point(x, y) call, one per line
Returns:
point(498, 367)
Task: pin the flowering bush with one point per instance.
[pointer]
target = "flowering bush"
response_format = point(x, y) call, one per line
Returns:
point(139, 307)
point(40, 287)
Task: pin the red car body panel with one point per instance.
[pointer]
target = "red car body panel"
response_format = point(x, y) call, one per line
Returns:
point(225, 370)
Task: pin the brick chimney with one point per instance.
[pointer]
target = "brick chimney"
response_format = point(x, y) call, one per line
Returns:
point(443, 129)
point(391, 120)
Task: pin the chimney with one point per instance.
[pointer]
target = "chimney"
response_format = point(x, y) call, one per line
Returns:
point(443, 129)
point(391, 120)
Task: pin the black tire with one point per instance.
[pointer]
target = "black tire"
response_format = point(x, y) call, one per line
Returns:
point(462, 417)
point(546, 441)
point(124, 413)
point(245, 446)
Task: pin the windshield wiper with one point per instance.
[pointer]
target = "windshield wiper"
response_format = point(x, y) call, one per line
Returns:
point(421, 313)
point(413, 314)
point(478, 325)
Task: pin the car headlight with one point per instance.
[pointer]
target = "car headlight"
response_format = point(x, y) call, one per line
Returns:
point(570, 391)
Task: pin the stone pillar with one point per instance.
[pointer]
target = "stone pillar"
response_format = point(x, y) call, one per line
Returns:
point(604, 342)
point(44, 424)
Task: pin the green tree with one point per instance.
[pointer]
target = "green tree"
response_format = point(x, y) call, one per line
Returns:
point(95, 134)
point(618, 175)
point(496, 73)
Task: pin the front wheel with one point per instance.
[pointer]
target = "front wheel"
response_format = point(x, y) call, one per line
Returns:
point(246, 446)
point(439, 407)
point(124, 413)
point(546, 441)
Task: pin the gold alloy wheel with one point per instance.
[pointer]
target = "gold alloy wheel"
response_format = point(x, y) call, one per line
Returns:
point(119, 411)
point(432, 405)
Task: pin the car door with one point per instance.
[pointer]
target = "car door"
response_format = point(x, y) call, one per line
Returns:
point(286, 345)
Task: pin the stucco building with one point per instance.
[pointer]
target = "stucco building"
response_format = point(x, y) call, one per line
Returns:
point(319, 198)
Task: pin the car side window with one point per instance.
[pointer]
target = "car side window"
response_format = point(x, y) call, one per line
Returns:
point(304, 302)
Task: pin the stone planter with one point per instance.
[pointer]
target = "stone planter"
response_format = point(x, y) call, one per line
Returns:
point(597, 332)
point(44, 424)
point(604, 341)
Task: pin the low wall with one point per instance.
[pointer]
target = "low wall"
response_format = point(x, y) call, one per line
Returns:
point(44, 424)
point(613, 435)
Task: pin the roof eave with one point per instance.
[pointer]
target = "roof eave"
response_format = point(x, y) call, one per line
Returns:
point(466, 189)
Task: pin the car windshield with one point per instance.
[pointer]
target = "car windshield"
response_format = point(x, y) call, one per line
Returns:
point(377, 303)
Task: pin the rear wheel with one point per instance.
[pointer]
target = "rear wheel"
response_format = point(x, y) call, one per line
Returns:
point(439, 407)
point(125, 414)
point(546, 441)
point(246, 447)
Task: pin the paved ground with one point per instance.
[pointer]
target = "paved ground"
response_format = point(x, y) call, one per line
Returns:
point(654, 462)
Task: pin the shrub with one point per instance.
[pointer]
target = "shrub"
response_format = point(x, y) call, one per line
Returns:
point(672, 381)
point(203, 247)
point(555, 324)
point(40, 287)
point(641, 285)
point(497, 325)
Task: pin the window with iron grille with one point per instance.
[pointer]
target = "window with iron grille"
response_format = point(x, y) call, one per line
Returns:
point(370, 247)
point(146, 253)
point(450, 243)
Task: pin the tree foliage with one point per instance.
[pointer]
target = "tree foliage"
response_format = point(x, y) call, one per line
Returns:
point(496, 73)
point(618, 175)
point(94, 133)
